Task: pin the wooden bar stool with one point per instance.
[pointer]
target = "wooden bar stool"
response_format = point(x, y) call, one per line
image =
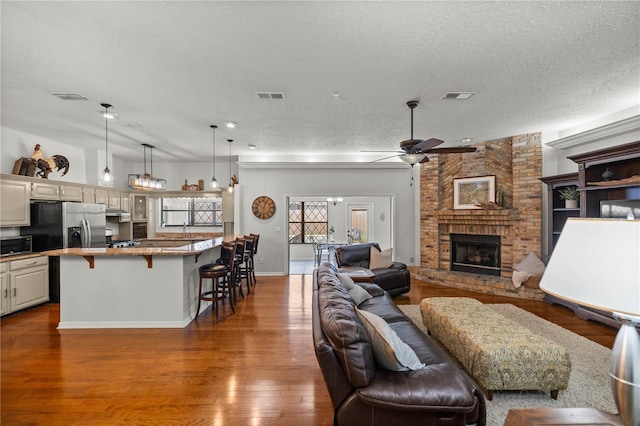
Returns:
point(255, 252)
point(240, 266)
point(222, 276)
point(248, 271)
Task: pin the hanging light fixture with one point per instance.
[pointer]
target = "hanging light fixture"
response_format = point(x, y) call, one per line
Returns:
point(230, 175)
point(214, 182)
point(147, 182)
point(106, 178)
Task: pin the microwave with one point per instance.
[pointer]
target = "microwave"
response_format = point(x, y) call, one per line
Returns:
point(15, 245)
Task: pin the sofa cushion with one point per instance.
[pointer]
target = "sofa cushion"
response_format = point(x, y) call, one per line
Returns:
point(343, 329)
point(359, 295)
point(380, 259)
point(346, 280)
point(389, 350)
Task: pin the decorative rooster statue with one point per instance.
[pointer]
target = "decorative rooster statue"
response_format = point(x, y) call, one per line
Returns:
point(48, 165)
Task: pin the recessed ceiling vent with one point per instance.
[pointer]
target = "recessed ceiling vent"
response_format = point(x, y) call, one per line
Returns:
point(279, 96)
point(70, 96)
point(460, 96)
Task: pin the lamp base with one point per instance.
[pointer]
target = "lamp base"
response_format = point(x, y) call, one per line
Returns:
point(625, 369)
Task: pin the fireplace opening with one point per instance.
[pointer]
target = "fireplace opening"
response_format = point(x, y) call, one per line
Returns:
point(479, 254)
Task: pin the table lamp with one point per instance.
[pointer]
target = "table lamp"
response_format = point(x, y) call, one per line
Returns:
point(596, 264)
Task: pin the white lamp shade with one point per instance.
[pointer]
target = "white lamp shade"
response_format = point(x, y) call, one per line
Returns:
point(596, 264)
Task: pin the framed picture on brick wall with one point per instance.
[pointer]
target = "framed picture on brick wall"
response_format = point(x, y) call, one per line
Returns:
point(472, 192)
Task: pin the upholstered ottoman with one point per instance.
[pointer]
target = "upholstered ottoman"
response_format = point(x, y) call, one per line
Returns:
point(500, 354)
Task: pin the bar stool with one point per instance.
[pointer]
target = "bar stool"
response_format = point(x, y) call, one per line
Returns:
point(239, 266)
point(221, 275)
point(255, 252)
point(248, 259)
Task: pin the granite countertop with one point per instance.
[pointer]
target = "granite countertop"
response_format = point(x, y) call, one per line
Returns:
point(20, 256)
point(188, 249)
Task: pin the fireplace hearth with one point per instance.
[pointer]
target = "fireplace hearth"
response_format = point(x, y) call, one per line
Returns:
point(479, 254)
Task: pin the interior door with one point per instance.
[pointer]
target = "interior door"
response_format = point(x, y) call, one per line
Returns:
point(359, 226)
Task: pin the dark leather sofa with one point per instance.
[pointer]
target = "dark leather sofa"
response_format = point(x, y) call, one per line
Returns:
point(364, 393)
point(395, 280)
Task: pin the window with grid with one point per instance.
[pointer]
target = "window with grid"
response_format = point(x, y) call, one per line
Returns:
point(308, 221)
point(191, 211)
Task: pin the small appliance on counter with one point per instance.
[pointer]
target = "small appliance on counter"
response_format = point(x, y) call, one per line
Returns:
point(10, 246)
point(108, 236)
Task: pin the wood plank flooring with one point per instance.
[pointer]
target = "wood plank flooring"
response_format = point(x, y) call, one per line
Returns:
point(254, 367)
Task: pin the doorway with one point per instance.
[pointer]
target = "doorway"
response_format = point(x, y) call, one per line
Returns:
point(359, 227)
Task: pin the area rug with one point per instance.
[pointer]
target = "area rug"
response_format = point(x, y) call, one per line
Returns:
point(589, 381)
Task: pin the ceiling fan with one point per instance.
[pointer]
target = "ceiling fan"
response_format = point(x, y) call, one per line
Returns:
point(415, 151)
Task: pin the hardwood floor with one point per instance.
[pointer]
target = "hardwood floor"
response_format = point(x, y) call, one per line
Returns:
point(254, 367)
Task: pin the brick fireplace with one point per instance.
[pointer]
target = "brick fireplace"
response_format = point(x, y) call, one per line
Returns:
point(516, 162)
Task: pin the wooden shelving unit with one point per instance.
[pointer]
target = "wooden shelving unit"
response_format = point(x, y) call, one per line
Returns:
point(622, 164)
point(557, 213)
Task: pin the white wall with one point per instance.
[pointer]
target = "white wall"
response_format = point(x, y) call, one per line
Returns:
point(16, 144)
point(281, 181)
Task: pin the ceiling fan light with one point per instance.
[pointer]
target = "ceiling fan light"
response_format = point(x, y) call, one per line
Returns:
point(412, 159)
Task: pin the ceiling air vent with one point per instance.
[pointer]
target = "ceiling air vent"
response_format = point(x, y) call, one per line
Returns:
point(458, 95)
point(271, 95)
point(70, 96)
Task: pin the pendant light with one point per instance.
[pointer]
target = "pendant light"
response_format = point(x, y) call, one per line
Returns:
point(106, 178)
point(230, 175)
point(214, 182)
point(147, 181)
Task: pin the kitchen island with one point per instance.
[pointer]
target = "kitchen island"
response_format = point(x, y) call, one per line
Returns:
point(134, 287)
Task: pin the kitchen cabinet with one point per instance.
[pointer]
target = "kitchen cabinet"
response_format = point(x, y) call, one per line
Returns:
point(4, 288)
point(125, 202)
point(14, 208)
point(113, 201)
point(51, 191)
point(88, 194)
point(71, 193)
point(27, 284)
point(139, 210)
point(44, 191)
point(102, 196)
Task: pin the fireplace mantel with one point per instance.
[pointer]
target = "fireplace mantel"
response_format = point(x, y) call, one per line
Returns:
point(501, 217)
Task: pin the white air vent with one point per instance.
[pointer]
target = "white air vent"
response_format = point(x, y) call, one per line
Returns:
point(271, 95)
point(70, 96)
point(458, 95)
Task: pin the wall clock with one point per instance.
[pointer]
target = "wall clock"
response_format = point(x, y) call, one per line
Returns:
point(263, 207)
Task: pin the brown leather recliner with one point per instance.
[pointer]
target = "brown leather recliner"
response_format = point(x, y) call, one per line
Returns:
point(364, 393)
point(395, 279)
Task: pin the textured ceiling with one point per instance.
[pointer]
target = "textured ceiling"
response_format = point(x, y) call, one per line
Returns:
point(171, 69)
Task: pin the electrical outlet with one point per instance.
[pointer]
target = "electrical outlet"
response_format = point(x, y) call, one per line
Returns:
point(411, 259)
point(261, 260)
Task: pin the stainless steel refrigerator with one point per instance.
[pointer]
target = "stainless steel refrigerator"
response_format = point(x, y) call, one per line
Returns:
point(56, 225)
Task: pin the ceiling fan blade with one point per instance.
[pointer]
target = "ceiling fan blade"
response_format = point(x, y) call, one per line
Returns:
point(385, 158)
point(452, 150)
point(427, 144)
point(424, 160)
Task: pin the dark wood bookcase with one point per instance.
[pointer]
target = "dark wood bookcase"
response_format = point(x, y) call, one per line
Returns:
point(557, 213)
point(621, 183)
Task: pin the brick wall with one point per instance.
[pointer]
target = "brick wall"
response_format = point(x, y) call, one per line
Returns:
point(516, 162)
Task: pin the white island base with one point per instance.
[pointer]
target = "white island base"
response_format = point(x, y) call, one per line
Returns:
point(131, 291)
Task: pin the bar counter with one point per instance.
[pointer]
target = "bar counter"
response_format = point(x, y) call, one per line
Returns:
point(133, 287)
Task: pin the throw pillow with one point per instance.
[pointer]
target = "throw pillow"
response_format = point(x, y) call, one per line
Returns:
point(531, 264)
point(380, 259)
point(346, 280)
point(389, 351)
point(359, 294)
